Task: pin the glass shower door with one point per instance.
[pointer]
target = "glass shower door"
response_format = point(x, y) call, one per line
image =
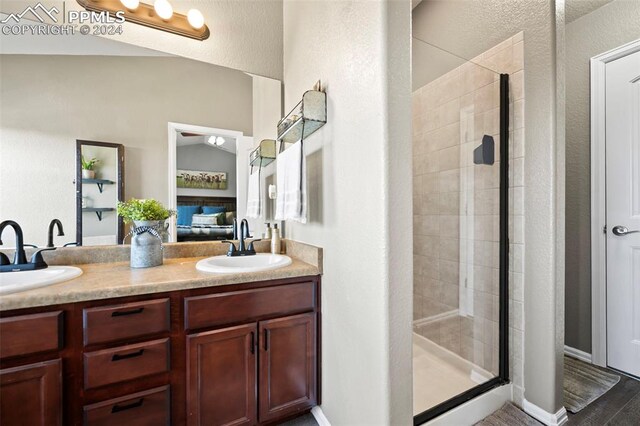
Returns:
point(460, 121)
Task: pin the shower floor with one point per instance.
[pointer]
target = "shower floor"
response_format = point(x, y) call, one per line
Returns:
point(439, 374)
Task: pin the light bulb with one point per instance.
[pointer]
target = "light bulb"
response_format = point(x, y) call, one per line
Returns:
point(130, 4)
point(220, 140)
point(195, 18)
point(164, 9)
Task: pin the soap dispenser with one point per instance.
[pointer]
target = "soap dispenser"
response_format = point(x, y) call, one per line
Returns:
point(267, 232)
point(275, 240)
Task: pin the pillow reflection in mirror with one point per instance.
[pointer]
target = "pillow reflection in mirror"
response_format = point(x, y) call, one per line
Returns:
point(213, 209)
point(185, 214)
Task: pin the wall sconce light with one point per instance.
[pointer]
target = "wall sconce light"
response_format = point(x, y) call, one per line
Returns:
point(160, 16)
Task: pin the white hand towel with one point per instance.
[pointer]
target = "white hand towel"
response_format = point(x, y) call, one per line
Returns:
point(254, 206)
point(291, 202)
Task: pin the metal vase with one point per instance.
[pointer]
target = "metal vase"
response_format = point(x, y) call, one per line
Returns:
point(146, 248)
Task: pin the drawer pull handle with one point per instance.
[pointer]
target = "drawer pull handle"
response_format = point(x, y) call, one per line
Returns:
point(266, 339)
point(118, 357)
point(125, 313)
point(253, 343)
point(117, 408)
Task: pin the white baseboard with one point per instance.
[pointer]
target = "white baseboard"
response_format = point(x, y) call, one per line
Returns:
point(577, 353)
point(471, 412)
point(549, 419)
point(319, 416)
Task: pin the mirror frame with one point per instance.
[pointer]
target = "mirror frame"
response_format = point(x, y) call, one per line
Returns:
point(120, 185)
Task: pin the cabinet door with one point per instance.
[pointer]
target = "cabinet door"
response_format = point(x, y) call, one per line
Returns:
point(287, 365)
point(31, 394)
point(221, 377)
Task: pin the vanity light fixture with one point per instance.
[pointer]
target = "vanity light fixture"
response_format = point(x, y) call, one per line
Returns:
point(160, 16)
point(216, 140)
point(195, 18)
point(130, 4)
point(164, 9)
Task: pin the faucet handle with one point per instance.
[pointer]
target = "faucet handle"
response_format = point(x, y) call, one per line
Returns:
point(4, 260)
point(38, 260)
point(251, 248)
point(232, 247)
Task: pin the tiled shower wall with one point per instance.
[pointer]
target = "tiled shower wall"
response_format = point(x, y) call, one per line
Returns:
point(456, 208)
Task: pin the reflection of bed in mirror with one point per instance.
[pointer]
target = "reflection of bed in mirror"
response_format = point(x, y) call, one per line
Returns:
point(205, 218)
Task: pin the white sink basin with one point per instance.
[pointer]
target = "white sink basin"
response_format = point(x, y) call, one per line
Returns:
point(12, 282)
point(232, 265)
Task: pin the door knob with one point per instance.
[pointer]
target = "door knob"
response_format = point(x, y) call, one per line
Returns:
point(621, 231)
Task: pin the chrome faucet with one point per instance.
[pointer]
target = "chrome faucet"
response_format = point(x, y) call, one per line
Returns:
point(54, 222)
point(242, 249)
point(20, 258)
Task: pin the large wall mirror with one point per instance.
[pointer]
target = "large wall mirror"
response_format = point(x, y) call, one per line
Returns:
point(157, 125)
point(99, 187)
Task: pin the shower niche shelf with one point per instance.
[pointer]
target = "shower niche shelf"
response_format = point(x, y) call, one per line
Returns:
point(305, 118)
point(264, 154)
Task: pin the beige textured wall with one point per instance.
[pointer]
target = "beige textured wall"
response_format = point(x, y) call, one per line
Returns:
point(50, 101)
point(604, 29)
point(359, 198)
point(456, 207)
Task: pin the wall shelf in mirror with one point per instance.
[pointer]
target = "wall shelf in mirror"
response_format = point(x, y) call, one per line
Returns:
point(97, 210)
point(305, 118)
point(264, 154)
point(99, 182)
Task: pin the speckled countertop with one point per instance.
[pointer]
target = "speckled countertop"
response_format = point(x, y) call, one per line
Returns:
point(116, 279)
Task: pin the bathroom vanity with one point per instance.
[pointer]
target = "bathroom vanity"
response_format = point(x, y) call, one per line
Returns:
point(210, 350)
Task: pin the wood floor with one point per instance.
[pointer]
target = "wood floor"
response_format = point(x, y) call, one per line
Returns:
point(618, 407)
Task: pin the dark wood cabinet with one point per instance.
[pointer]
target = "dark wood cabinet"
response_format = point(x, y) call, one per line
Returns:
point(28, 334)
point(240, 354)
point(221, 376)
point(125, 321)
point(148, 408)
point(31, 394)
point(287, 366)
point(123, 363)
point(222, 365)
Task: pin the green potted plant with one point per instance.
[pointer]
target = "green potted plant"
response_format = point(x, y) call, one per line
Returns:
point(148, 230)
point(87, 167)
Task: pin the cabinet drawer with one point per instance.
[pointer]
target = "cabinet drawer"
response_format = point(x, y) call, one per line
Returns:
point(117, 322)
point(29, 334)
point(125, 363)
point(148, 408)
point(247, 305)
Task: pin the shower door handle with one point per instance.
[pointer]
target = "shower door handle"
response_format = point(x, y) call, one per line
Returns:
point(621, 231)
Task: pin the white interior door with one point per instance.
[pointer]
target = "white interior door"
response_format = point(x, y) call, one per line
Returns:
point(623, 213)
